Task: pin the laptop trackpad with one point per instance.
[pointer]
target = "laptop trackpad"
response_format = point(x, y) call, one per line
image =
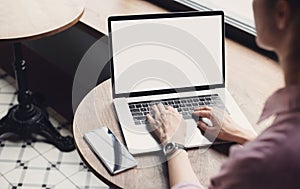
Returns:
point(194, 138)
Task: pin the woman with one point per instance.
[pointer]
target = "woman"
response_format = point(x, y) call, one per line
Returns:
point(271, 160)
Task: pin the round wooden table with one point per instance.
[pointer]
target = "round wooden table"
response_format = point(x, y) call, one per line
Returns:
point(27, 20)
point(249, 86)
point(31, 19)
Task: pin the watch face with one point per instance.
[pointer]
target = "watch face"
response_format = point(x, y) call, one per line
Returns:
point(169, 148)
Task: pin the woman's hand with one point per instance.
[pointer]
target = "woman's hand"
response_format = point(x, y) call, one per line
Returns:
point(167, 124)
point(223, 128)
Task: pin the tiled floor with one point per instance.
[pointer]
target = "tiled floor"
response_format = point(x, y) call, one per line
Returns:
point(39, 165)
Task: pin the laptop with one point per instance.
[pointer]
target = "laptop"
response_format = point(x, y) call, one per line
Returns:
point(174, 58)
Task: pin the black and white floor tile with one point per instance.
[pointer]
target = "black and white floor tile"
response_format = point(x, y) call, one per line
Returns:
point(33, 165)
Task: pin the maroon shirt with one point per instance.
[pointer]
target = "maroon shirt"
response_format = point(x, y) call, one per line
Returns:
point(272, 160)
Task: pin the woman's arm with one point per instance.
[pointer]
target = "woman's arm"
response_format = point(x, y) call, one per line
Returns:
point(180, 170)
point(169, 126)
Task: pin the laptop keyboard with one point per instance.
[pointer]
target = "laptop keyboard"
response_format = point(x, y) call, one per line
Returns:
point(185, 106)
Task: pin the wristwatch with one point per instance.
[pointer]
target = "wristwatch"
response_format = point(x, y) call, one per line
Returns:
point(171, 147)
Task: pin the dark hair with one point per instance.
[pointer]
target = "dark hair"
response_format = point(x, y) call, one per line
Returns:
point(294, 4)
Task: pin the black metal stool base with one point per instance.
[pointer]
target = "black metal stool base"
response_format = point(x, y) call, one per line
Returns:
point(31, 123)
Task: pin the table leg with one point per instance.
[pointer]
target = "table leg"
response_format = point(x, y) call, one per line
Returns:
point(27, 119)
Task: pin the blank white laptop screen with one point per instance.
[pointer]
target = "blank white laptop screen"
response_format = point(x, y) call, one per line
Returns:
point(167, 53)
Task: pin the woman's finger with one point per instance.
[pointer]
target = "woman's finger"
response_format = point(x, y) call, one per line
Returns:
point(150, 119)
point(156, 112)
point(172, 109)
point(202, 126)
point(202, 113)
point(153, 124)
point(169, 108)
point(161, 108)
point(203, 108)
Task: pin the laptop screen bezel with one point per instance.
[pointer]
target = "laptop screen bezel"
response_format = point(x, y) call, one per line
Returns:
point(157, 16)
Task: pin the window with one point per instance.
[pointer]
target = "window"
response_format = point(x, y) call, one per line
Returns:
point(239, 18)
point(238, 13)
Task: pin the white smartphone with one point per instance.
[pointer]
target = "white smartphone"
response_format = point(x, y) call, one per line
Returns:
point(108, 148)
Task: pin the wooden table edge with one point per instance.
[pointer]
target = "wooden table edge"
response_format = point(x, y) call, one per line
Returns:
point(46, 34)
